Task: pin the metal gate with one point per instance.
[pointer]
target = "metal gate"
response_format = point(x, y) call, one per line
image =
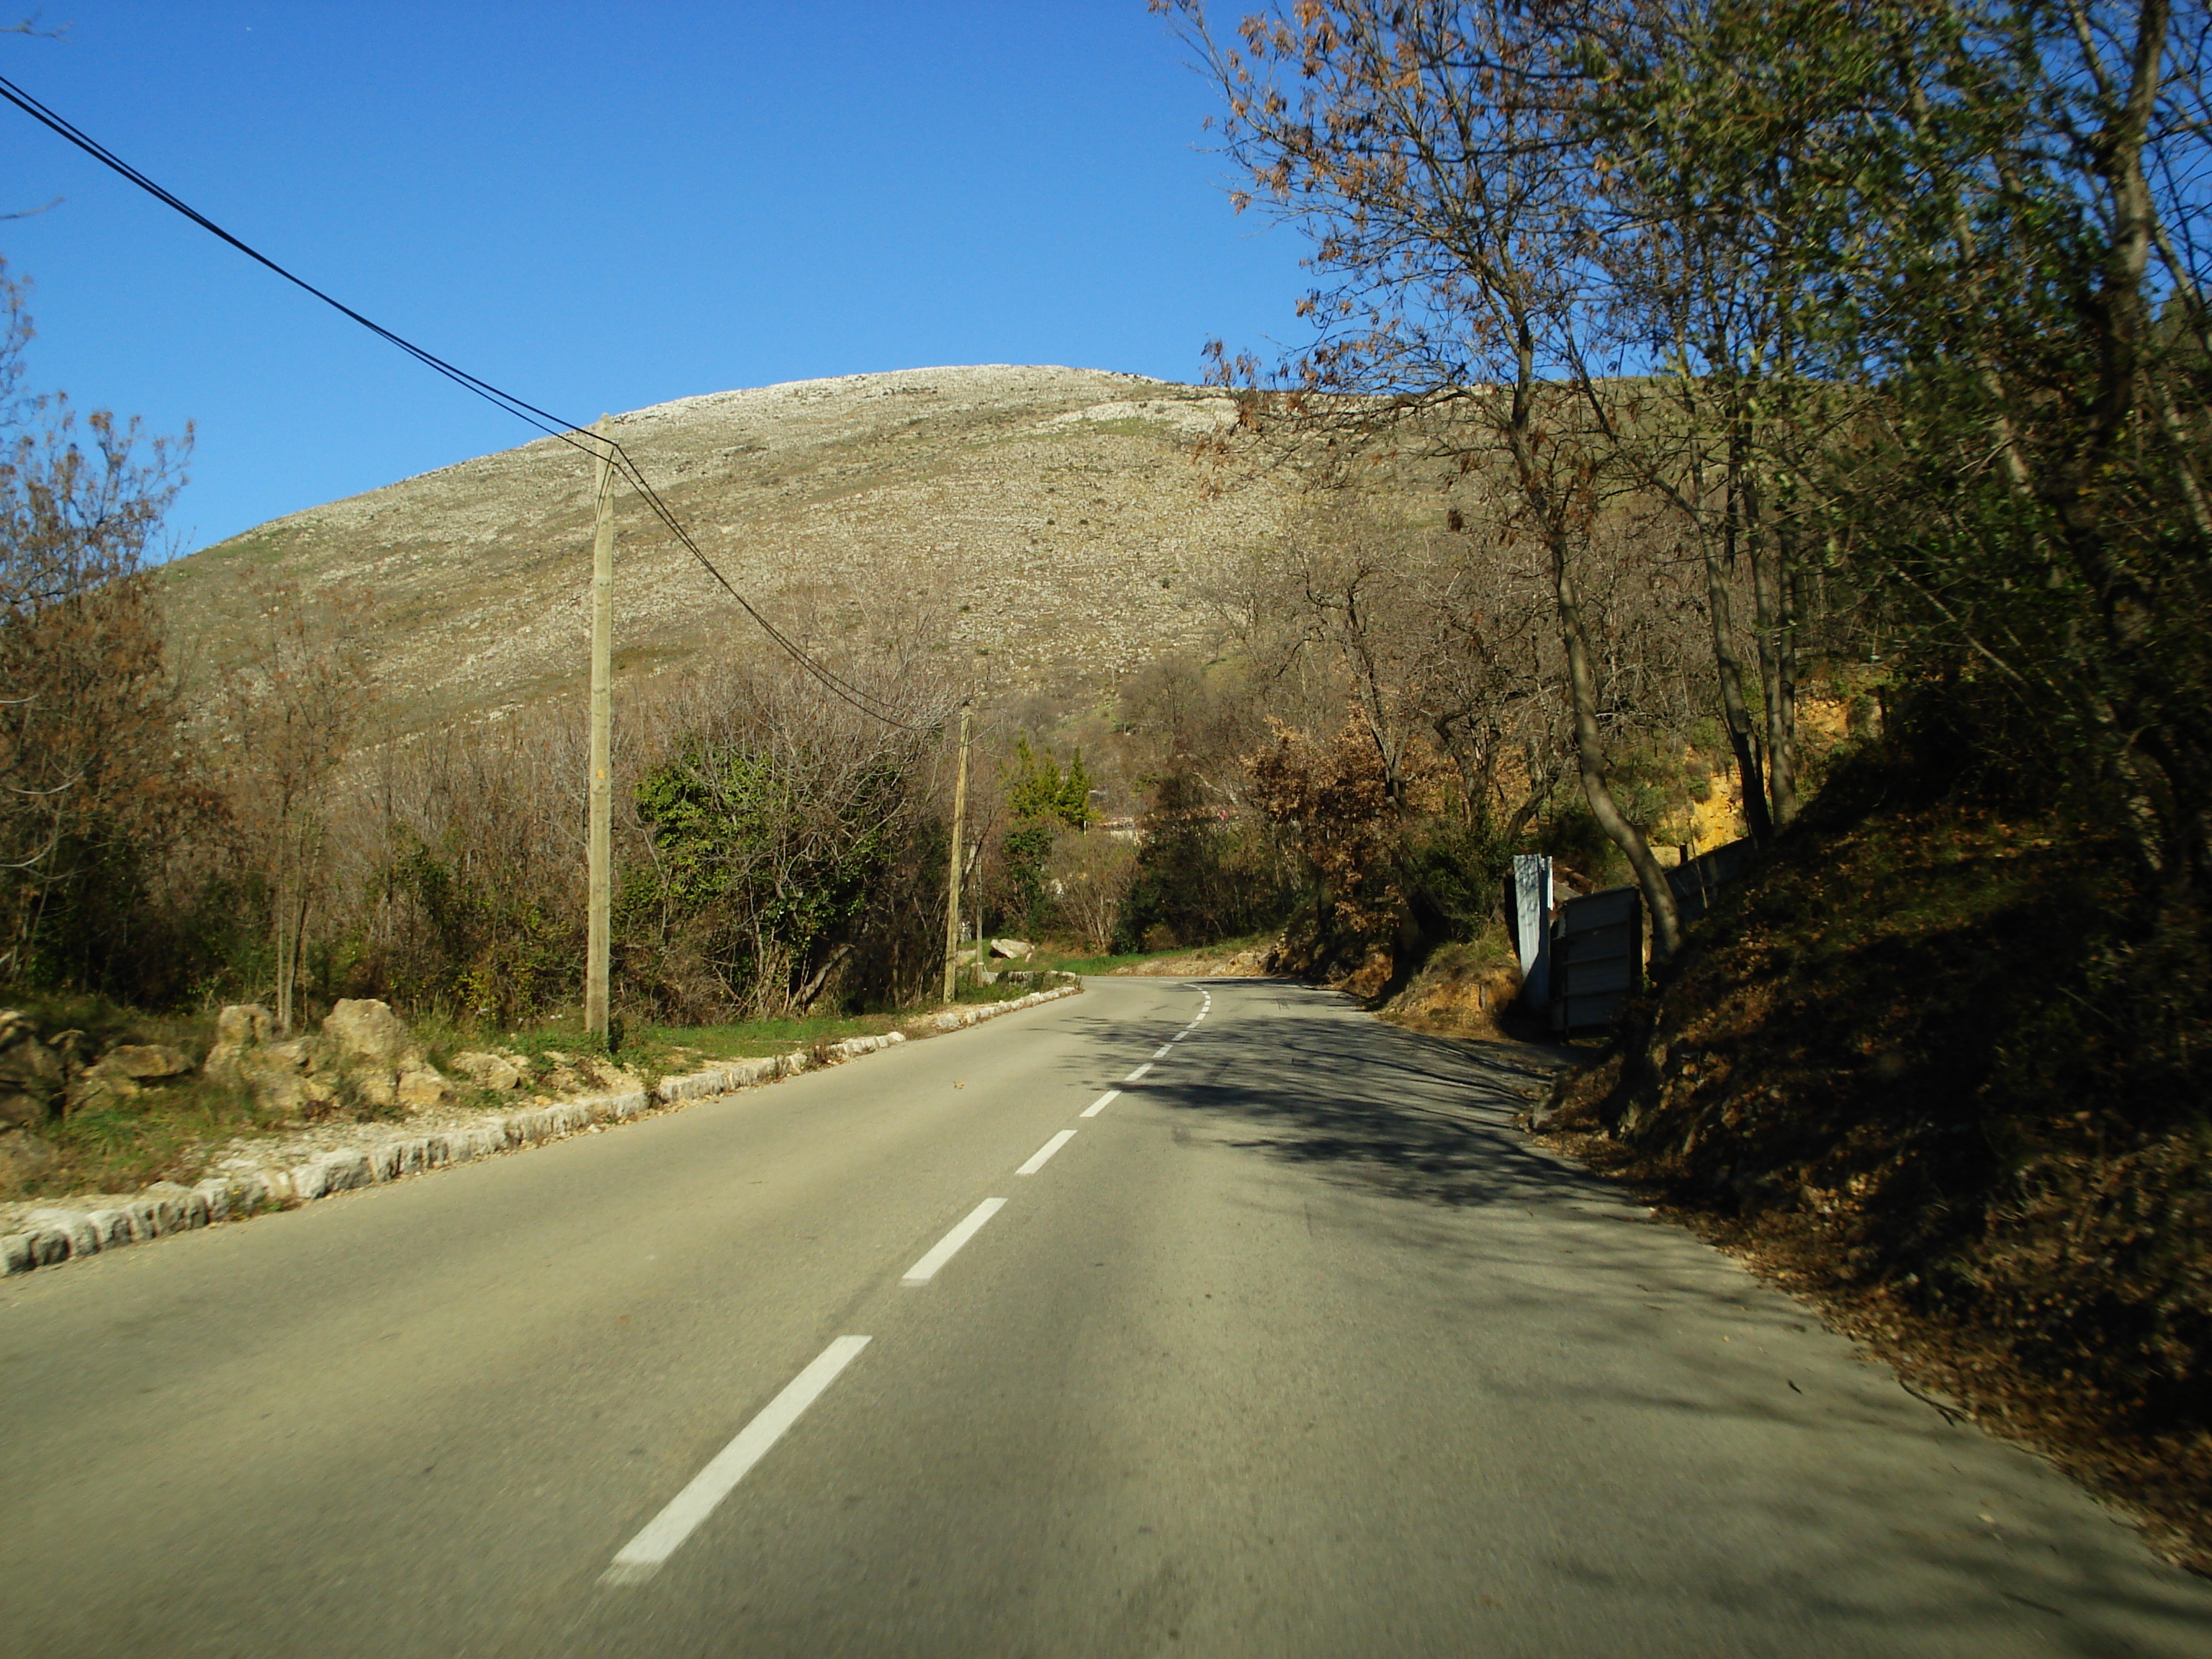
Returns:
point(1597, 957)
point(1528, 907)
point(1581, 961)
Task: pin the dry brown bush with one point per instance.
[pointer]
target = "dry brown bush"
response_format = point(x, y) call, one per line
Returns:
point(1091, 873)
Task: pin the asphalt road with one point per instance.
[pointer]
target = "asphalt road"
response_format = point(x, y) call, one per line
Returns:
point(1294, 1348)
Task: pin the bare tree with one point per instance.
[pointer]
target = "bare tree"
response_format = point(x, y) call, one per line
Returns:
point(1091, 874)
point(1430, 150)
point(292, 716)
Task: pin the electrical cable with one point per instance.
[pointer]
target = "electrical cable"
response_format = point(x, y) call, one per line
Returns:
point(599, 446)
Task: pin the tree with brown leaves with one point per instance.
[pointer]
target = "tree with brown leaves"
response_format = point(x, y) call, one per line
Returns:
point(94, 777)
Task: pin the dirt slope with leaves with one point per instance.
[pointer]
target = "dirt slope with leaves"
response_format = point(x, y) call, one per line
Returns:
point(1942, 1066)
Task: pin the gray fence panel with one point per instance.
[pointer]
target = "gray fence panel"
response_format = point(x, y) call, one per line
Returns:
point(1597, 957)
point(1698, 883)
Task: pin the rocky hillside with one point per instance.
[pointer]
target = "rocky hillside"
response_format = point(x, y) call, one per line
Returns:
point(1050, 524)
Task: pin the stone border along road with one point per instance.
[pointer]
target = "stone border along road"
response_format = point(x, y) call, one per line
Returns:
point(58, 1234)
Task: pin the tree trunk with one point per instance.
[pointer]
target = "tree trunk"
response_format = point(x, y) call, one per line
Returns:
point(1550, 510)
point(1728, 667)
point(811, 990)
point(287, 946)
point(1589, 752)
point(304, 897)
point(1774, 627)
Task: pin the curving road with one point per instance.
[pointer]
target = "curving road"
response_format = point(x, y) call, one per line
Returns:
point(1289, 1348)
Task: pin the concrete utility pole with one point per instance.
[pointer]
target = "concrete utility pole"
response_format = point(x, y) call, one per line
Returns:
point(599, 833)
point(953, 878)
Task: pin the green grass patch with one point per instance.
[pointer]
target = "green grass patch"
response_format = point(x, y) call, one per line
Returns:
point(166, 1134)
point(969, 990)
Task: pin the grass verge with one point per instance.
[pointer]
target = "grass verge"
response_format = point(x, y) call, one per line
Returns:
point(747, 1039)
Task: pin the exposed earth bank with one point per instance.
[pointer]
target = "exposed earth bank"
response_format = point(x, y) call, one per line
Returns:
point(1940, 1067)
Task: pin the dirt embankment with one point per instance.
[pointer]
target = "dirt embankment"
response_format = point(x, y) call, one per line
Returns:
point(1461, 990)
point(1458, 989)
point(1945, 1072)
point(1245, 964)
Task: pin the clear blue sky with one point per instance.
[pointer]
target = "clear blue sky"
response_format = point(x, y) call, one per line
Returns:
point(601, 208)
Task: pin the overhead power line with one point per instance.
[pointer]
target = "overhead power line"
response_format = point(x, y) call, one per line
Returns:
point(571, 433)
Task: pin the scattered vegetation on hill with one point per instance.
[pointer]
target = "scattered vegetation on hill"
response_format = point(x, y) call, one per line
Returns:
point(290, 839)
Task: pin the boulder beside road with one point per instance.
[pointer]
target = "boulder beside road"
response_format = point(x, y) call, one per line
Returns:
point(365, 1054)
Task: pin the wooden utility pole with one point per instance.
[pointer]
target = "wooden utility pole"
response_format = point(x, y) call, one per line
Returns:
point(952, 877)
point(599, 833)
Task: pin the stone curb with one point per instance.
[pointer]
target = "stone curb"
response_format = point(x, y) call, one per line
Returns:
point(57, 1234)
point(954, 1019)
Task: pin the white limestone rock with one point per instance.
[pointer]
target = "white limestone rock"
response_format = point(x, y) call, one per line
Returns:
point(495, 1072)
point(72, 1225)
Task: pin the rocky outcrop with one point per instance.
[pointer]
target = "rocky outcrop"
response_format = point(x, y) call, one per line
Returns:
point(239, 1031)
point(366, 1033)
point(24, 1157)
point(364, 1057)
point(498, 1072)
point(32, 1076)
point(144, 1062)
point(243, 1035)
point(44, 1077)
point(122, 1073)
point(247, 1055)
point(367, 1042)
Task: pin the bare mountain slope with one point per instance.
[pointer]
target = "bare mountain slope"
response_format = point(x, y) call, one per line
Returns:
point(1052, 518)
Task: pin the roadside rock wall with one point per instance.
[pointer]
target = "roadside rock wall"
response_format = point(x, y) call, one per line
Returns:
point(53, 1234)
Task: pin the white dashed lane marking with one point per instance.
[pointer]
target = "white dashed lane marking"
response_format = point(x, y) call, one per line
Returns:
point(945, 1247)
point(662, 1536)
point(645, 1555)
point(1043, 1153)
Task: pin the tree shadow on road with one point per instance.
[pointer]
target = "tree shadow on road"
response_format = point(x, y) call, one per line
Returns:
point(1616, 1319)
point(1419, 1117)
